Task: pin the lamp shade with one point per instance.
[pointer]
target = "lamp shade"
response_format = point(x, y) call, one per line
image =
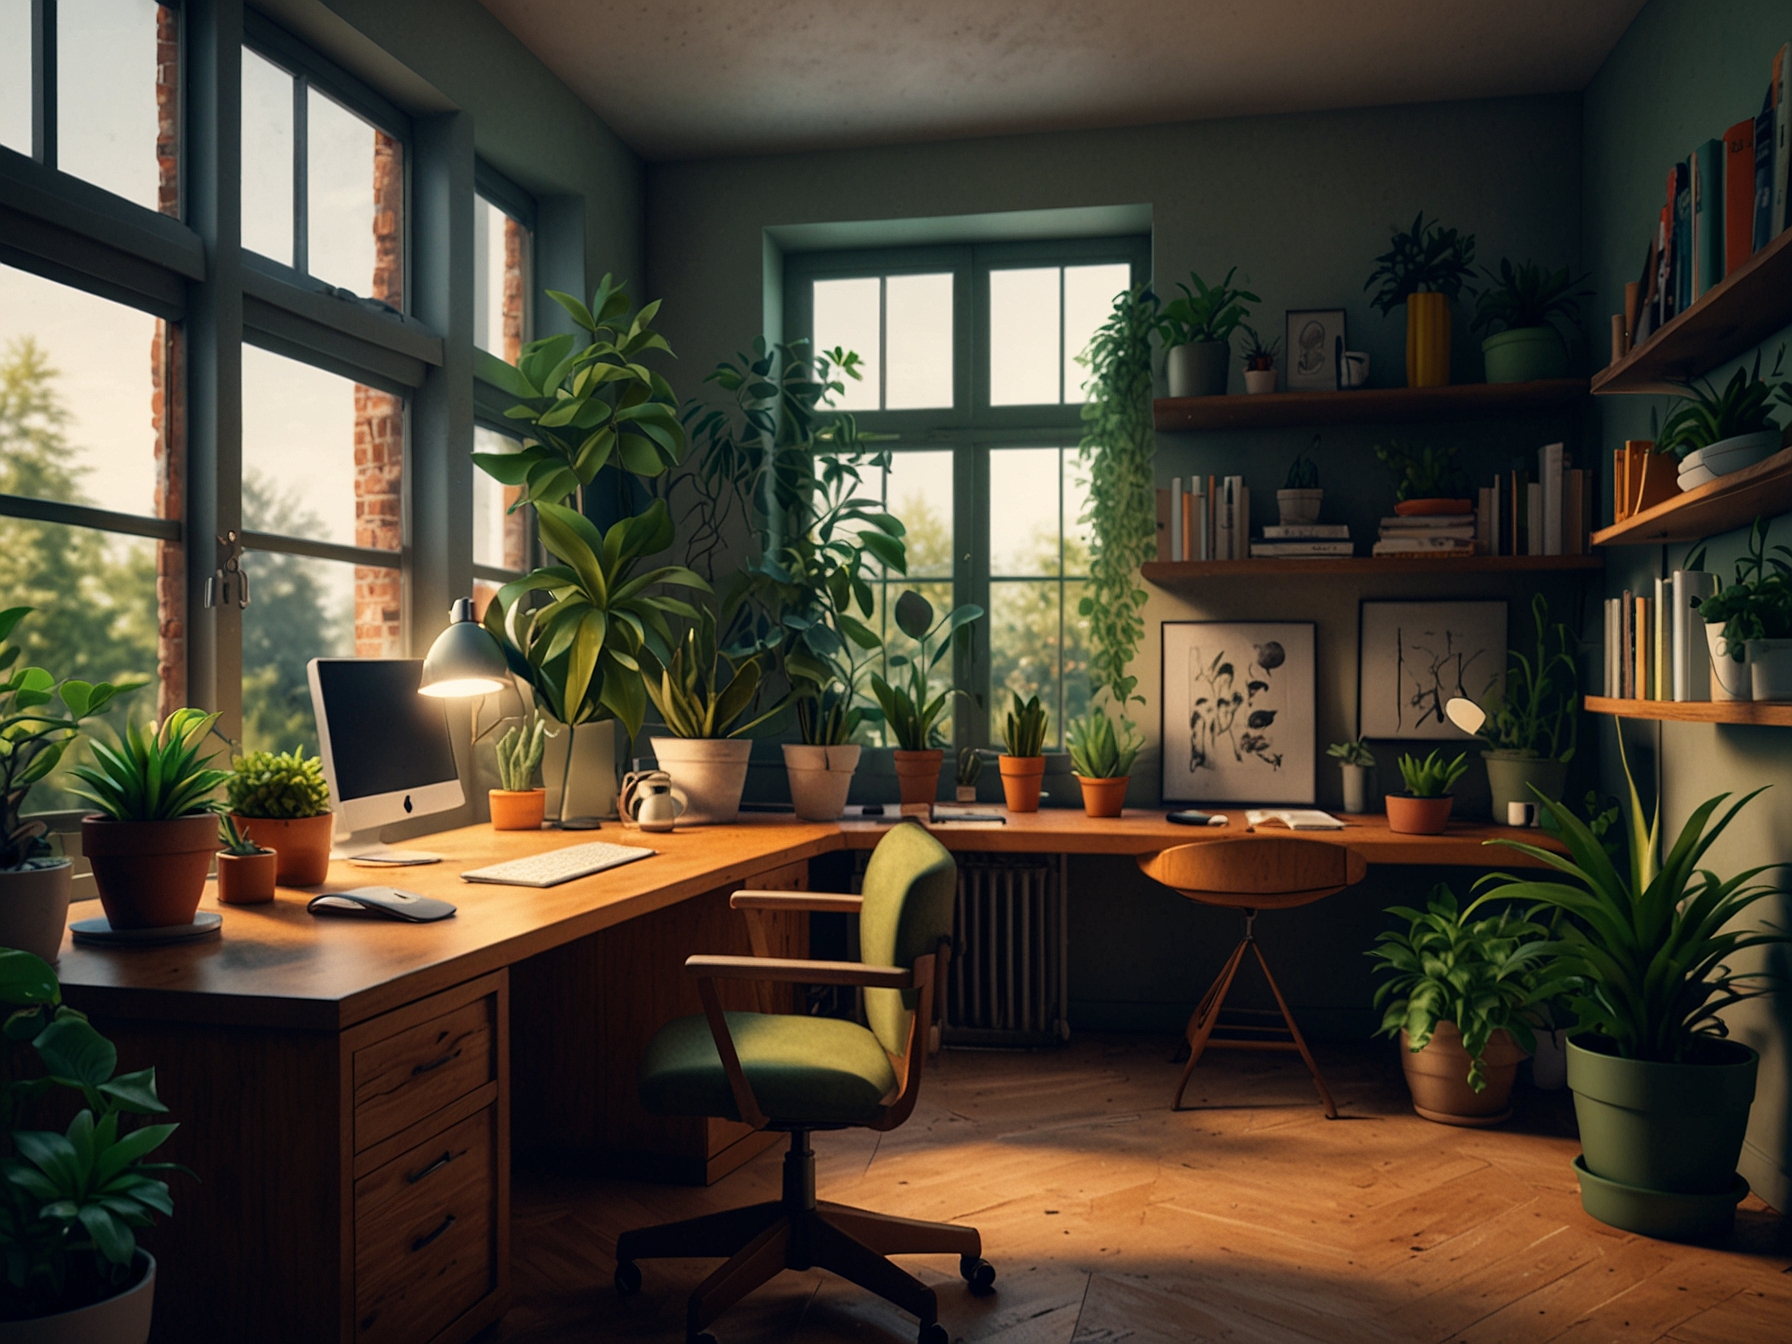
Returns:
point(465, 660)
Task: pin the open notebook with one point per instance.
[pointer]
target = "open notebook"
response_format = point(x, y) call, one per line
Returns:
point(1295, 819)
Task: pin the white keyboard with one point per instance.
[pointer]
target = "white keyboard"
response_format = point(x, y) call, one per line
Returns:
point(555, 866)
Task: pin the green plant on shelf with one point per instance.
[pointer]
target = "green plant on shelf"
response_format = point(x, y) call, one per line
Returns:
point(913, 714)
point(279, 785)
point(1204, 313)
point(1351, 753)
point(234, 842)
point(1427, 258)
point(1427, 472)
point(1706, 416)
point(520, 751)
point(1528, 295)
point(1758, 605)
point(154, 773)
point(1097, 750)
point(1259, 355)
point(1303, 474)
point(1538, 712)
point(1432, 777)
point(1024, 730)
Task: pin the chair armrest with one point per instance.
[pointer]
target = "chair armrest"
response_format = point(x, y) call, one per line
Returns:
point(800, 972)
point(795, 900)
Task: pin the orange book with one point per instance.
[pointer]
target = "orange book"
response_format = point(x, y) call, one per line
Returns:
point(1642, 648)
point(1739, 194)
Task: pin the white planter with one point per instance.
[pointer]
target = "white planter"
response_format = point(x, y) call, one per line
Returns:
point(1732, 454)
point(820, 778)
point(1549, 1065)
point(118, 1320)
point(1258, 381)
point(1729, 668)
point(1770, 669)
point(1299, 506)
point(593, 769)
point(708, 775)
point(34, 908)
point(1356, 787)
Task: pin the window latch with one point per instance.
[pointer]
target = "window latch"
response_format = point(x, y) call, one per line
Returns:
point(228, 586)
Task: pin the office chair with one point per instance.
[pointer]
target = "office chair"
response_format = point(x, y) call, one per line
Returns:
point(801, 1074)
point(1252, 873)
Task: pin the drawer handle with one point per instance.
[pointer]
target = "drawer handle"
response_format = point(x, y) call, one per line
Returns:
point(428, 1237)
point(448, 1058)
point(430, 1170)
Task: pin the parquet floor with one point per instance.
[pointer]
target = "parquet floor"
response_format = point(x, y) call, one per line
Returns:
point(1111, 1219)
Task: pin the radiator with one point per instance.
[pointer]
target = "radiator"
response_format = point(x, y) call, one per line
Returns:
point(1008, 980)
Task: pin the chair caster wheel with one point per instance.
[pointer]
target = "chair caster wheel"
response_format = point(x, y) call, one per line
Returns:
point(934, 1333)
point(978, 1273)
point(628, 1278)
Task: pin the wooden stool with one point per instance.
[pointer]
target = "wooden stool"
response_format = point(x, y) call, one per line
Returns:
point(1252, 873)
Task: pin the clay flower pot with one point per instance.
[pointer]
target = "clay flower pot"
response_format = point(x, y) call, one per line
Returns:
point(246, 879)
point(151, 874)
point(1418, 816)
point(518, 809)
point(303, 844)
point(918, 775)
point(1104, 797)
point(1021, 779)
point(1437, 1077)
point(34, 907)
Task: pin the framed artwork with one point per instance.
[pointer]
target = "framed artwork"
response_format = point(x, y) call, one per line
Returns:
point(1238, 712)
point(1414, 656)
point(1315, 348)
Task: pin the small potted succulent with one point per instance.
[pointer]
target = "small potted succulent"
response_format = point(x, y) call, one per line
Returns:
point(1103, 760)
point(1259, 360)
point(1300, 498)
point(1023, 764)
point(1355, 762)
point(1715, 433)
point(910, 711)
point(1424, 809)
point(1525, 300)
point(1423, 271)
point(1427, 479)
point(1748, 625)
point(1196, 330)
point(152, 843)
point(970, 770)
point(246, 871)
point(519, 803)
point(282, 803)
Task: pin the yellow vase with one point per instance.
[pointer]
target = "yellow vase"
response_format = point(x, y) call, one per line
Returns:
point(1427, 340)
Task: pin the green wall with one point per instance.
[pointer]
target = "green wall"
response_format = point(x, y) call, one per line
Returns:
point(1686, 71)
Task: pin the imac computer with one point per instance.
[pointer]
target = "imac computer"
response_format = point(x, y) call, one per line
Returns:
point(387, 752)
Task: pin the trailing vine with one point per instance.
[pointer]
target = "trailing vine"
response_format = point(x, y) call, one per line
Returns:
point(1117, 448)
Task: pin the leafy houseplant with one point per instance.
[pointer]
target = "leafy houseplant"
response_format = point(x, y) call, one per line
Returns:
point(1300, 498)
point(519, 803)
point(1197, 334)
point(1714, 433)
point(282, 803)
point(1259, 360)
point(1355, 761)
point(1748, 624)
point(73, 1201)
point(153, 842)
point(1023, 764)
point(1424, 809)
point(1533, 725)
point(1524, 301)
point(1424, 269)
point(910, 710)
point(1424, 473)
point(246, 871)
point(1103, 761)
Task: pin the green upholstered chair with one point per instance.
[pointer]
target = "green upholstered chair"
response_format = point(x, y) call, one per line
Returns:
point(800, 1074)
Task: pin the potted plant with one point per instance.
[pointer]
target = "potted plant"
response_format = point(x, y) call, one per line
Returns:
point(1103, 761)
point(1259, 360)
point(519, 803)
point(1299, 498)
point(73, 1200)
point(1023, 764)
point(1661, 1096)
point(34, 881)
point(1748, 624)
point(1355, 762)
point(913, 714)
point(822, 765)
point(970, 770)
point(1525, 300)
point(1423, 270)
point(1532, 727)
point(152, 843)
point(1197, 334)
point(246, 871)
point(1424, 809)
point(281, 802)
point(1459, 996)
point(1427, 479)
point(1715, 433)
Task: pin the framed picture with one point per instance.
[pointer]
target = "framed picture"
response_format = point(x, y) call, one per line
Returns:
point(1414, 656)
point(1238, 712)
point(1315, 349)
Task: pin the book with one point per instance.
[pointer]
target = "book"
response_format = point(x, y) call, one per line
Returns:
point(1188, 526)
point(1626, 664)
point(1574, 530)
point(1426, 522)
point(1663, 308)
point(1533, 518)
point(1549, 473)
point(1707, 217)
point(1764, 170)
point(1611, 647)
point(1640, 640)
point(1682, 198)
point(1291, 531)
point(1484, 516)
point(1177, 546)
point(1286, 550)
point(1660, 680)
point(1739, 193)
point(1294, 818)
point(1691, 678)
point(1425, 546)
point(1782, 133)
point(1499, 512)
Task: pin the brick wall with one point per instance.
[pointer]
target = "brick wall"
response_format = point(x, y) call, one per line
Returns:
point(379, 433)
point(516, 252)
point(167, 401)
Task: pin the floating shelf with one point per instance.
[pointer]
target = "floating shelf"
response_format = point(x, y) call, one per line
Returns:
point(1736, 314)
point(1723, 505)
point(1369, 405)
point(1171, 573)
point(1771, 713)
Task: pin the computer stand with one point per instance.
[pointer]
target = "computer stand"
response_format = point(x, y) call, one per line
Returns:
point(367, 847)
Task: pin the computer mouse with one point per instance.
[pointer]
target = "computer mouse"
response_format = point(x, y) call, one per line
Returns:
point(388, 902)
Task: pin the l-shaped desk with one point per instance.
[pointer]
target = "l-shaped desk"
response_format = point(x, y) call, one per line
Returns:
point(350, 1091)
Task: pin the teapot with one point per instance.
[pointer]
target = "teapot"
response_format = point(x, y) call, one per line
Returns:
point(648, 800)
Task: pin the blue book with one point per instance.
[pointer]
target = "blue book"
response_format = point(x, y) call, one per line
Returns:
point(1707, 216)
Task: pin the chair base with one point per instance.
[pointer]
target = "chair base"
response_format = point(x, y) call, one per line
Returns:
point(799, 1232)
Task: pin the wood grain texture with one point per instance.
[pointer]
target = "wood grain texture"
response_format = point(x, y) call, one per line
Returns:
point(1729, 502)
point(1262, 872)
point(1173, 574)
point(1772, 713)
point(1367, 405)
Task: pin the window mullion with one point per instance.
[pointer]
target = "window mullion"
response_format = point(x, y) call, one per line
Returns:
point(883, 341)
point(301, 177)
point(43, 82)
point(970, 583)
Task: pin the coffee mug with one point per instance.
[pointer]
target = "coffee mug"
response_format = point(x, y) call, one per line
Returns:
point(1521, 814)
point(1355, 370)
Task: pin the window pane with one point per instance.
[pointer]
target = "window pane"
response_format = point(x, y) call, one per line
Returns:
point(1075, 656)
point(267, 158)
point(355, 202)
point(918, 323)
point(15, 75)
point(918, 490)
point(106, 95)
point(1023, 646)
point(846, 314)
point(500, 538)
point(1023, 511)
point(300, 609)
point(1089, 294)
point(1076, 501)
point(500, 280)
point(1023, 337)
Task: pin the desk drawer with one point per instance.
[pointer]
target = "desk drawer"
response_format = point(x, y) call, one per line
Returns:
point(409, 1076)
point(425, 1234)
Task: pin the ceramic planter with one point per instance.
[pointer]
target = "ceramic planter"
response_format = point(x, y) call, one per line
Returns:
point(1770, 669)
point(517, 809)
point(1730, 678)
point(1706, 464)
point(592, 749)
point(1511, 774)
point(1525, 354)
point(1437, 1077)
point(151, 874)
point(710, 773)
point(1022, 777)
point(303, 844)
point(1259, 381)
point(1104, 797)
point(820, 778)
point(34, 908)
point(247, 879)
point(1199, 368)
point(123, 1319)
point(918, 775)
point(1427, 340)
point(1356, 787)
point(1418, 816)
point(1298, 506)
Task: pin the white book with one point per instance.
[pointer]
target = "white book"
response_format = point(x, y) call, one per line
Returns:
point(1286, 549)
point(1533, 517)
point(1692, 658)
point(1453, 546)
point(1302, 531)
point(1176, 548)
point(1294, 818)
point(1549, 475)
point(1425, 522)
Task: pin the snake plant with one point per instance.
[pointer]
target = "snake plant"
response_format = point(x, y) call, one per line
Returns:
point(703, 692)
point(1025, 728)
point(155, 773)
point(1432, 777)
point(1097, 751)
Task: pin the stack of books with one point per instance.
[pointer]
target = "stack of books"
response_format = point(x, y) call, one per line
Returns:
point(1427, 534)
point(1204, 519)
point(1300, 541)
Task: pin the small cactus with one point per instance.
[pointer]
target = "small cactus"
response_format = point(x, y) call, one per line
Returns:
point(280, 786)
point(519, 752)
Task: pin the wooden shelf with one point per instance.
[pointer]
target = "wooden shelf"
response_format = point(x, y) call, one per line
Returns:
point(1723, 505)
point(1171, 573)
point(1772, 713)
point(1736, 314)
point(1369, 405)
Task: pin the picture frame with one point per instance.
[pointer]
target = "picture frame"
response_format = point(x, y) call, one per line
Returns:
point(1239, 715)
point(1412, 657)
point(1314, 340)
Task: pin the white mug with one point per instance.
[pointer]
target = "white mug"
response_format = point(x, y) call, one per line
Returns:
point(1521, 814)
point(648, 800)
point(1355, 368)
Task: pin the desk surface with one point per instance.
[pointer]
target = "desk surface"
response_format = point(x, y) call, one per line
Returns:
point(277, 965)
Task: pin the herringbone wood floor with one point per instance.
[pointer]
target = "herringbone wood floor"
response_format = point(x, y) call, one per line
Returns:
point(1109, 1218)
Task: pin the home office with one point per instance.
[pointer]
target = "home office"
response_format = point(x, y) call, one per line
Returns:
point(273, 276)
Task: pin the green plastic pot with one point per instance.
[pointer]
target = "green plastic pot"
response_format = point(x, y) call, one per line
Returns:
point(1655, 1213)
point(1524, 355)
point(1510, 776)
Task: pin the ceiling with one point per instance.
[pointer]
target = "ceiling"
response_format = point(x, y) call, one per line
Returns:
point(696, 78)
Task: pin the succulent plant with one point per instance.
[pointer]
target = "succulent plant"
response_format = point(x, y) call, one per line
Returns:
point(519, 752)
point(279, 786)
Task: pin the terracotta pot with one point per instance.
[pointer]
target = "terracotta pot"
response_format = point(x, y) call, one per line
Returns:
point(247, 879)
point(708, 774)
point(518, 809)
point(1104, 797)
point(151, 874)
point(1428, 340)
point(1021, 778)
point(1418, 816)
point(820, 778)
point(1437, 1077)
point(122, 1319)
point(303, 844)
point(34, 908)
point(918, 775)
